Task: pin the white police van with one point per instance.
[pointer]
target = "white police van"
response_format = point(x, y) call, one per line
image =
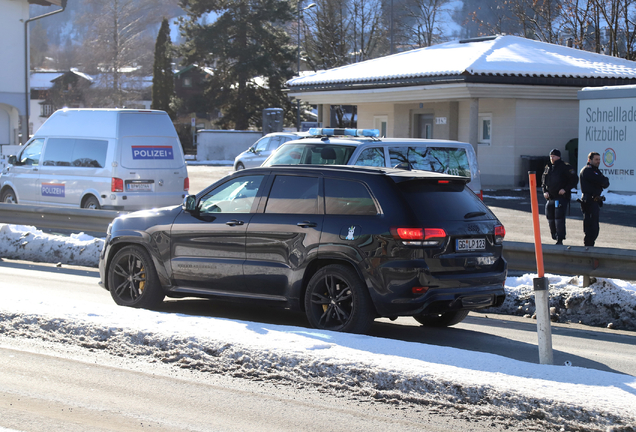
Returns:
point(364, 147)
point(118, 159)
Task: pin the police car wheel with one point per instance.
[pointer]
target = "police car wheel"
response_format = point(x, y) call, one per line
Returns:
point(8, 196)
point(91, 203)
point(240, 166)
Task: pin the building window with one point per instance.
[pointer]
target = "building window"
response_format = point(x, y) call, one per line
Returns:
point(380, 123)
point(46, 110)
point(485, 128)
point(187, 82)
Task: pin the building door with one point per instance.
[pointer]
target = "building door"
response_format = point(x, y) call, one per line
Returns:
point(425, 126)
point(5, 127)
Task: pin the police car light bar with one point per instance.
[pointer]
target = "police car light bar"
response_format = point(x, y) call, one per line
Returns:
point(344, 132)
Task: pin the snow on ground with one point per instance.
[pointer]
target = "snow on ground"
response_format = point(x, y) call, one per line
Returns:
point(476, 384)
point(610, 197)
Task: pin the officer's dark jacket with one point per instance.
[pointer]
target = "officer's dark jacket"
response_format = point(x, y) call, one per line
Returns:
point(593, 181)
point(557, 176)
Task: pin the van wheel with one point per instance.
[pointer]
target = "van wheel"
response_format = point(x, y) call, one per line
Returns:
point(91, 203)
point(132, 279)
point(240, 166)
point(442, 320)
point(336, 299)
point(8, 196)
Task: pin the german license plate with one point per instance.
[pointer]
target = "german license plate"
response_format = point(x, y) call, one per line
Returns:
point(470, 244)
point(140, 186)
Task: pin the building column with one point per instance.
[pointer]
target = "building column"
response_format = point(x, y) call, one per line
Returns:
point(24, 129)
point(473, 125)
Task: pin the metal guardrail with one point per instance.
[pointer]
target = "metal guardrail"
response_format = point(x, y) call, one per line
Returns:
point(575, 260)
point(58, 217)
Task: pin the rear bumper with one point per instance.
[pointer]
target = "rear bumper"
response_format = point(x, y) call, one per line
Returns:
point(447, 292)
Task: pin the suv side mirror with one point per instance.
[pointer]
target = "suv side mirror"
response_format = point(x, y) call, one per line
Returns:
point(251, 150)
point(190, 203)
point(13, 160)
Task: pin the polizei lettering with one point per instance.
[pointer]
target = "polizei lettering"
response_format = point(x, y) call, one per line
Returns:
point(152, 152)
point(53, 190)
point(612, 133)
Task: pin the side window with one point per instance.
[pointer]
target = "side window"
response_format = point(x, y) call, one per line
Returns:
point(447, 160)
point(274, 142)
point(261, 145)
point(344, 197)
point(235, 196)
point(373, 156)
point(75, 152)
point(89, 153)
point(31, 153)
point(292, 194)
point(58, 152)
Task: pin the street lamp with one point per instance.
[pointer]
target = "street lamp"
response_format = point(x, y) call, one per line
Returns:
point(298, 99)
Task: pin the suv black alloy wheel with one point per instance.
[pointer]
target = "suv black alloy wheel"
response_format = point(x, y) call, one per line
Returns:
point(133, 280)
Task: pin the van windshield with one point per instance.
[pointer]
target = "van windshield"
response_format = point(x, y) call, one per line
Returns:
point(311, 154)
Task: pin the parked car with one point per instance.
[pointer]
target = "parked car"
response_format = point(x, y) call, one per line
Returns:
point(118, 159)
point(261, 149)
point(343, 244)
point(364, 147)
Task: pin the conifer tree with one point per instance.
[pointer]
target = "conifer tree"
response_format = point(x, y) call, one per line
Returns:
point(162, 76)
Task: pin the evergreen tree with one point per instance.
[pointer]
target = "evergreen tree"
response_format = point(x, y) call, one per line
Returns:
point(250, 51)
point(162, 75)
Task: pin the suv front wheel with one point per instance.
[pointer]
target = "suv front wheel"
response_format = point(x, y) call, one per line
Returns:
point(336, 299)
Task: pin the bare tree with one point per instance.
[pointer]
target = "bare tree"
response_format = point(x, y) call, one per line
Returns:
point(423, 21)
point(115, 40)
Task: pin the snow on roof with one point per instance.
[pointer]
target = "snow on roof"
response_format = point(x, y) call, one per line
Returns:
point(500, 55)
point(43, 80)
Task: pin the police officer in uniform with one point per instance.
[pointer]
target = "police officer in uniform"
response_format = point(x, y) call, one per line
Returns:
point(559, 178)
point(592, 184)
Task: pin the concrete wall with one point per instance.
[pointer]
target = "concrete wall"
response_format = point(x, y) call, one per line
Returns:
point(542, 125)
point(224, 145)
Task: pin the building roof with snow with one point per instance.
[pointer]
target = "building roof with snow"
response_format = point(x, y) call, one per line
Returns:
point(492, 59)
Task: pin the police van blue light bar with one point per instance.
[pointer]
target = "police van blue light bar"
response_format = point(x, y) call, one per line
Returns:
point(344, 132)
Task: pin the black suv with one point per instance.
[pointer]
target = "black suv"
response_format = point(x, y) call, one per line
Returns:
point(343, 244)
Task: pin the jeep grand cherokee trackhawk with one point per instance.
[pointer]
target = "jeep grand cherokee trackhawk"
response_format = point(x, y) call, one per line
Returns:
point(343, 244)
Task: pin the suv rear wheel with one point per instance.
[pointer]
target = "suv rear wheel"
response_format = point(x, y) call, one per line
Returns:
point(442, 320)
point(132, 279)
point(336, 299)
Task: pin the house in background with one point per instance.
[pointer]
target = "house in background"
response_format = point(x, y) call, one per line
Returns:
point(14, 98)
point(508, 96)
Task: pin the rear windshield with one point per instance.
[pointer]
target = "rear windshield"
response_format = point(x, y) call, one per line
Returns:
point(311, 154)
point(434, 202)
point(447, 160)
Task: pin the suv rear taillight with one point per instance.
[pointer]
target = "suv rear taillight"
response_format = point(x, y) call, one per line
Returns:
point(414, 236)
point(186, 184)
point(116, 185)
point(500, 233)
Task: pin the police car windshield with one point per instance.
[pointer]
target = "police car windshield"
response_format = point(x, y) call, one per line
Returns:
point(311, 154)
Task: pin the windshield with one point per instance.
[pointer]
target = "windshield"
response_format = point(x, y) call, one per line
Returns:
point(311, 154)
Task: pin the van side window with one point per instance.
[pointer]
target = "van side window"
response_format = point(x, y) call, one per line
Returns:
point(344, 197)
point(294, 195)
point(31, 153)
point(90, 153)
point(373, 156)
point(445, 160)
point(75, 152)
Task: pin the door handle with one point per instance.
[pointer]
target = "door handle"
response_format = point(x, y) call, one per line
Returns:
point(306, 224)
point(234, 222)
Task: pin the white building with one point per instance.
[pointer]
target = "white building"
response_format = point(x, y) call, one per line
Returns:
point(14, 97)
point(508, 96)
